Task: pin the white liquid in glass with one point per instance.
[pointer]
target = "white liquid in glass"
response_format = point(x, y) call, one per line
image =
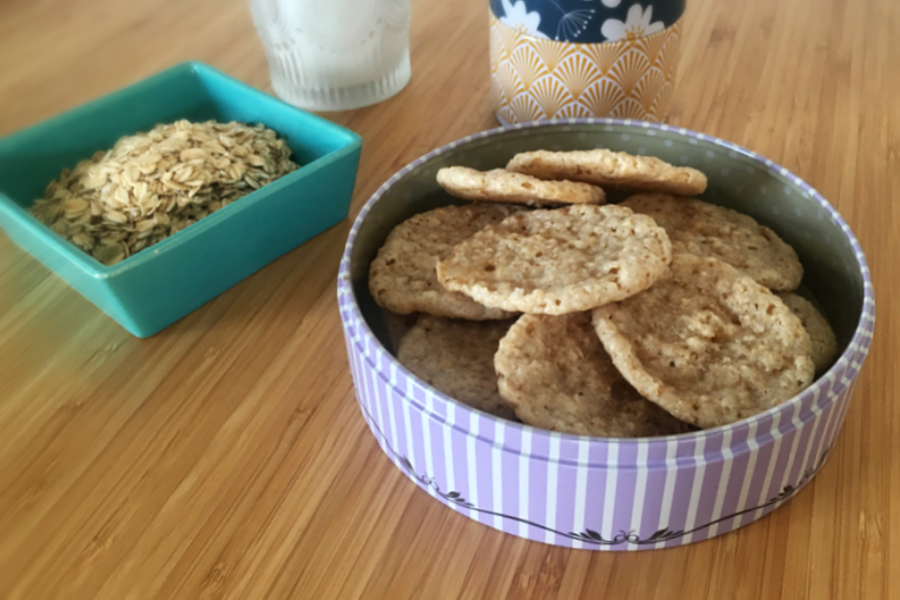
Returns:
point(335, 54)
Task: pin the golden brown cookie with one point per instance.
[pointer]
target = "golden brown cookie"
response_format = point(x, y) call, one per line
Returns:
point(457, 358)
point(704, 229)
point(559, 261)
point(556, 375)
point(500, 185)
point(708, 344)
point(611, 169)
point(402, 277)
point(824, 342)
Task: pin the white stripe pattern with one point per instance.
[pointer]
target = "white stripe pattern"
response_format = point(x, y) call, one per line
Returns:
point(552, 486)
point(410, 439)
point(524, 484)
point(609, 497)
point(581, 474)
point(472, 467)
point(426, 432)
point(395, 440)
point(640, 490)
point(766, 492)
point(449, 463)
point(789, 476)
point(724, 478)
point(665, 510)
point(497, 473)
point(696, 489)
point(753, 451)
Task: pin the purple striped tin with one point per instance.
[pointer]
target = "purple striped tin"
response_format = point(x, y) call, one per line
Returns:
point(598, 493)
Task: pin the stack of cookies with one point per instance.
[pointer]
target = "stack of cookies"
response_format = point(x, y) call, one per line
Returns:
point(538, 302)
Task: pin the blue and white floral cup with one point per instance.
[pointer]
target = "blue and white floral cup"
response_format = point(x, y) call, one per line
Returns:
point(583, 58)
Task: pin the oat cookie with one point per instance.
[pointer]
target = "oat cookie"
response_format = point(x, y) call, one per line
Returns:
point(500, 185)
point(704, 229)
point(559, 261)
point(402, 277)
point(556, 375)
point(457, 358)
point(824, 342)
point(611, 169)
point(708, 344)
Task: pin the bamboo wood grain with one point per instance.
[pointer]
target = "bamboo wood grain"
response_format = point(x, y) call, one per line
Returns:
point(226, 458)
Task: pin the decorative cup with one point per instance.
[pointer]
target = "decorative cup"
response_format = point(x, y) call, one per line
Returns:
point(583, 58)
point(335, 55)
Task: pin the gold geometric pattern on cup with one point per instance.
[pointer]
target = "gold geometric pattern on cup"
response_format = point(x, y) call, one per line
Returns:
point(605, 56)
point(509, 37)
point(629, 69)
point(528, 65)
point(498, 96)
point(668, 58)
point(602, 97)
point(550, 53)
point(648, 88)
point(506, 114)
point(525, 108)
point(652, 46)
point(578, 72)
point(573, 110)
point(551, 95)
point(509, 80)
point(539, 79)
point(629, 108)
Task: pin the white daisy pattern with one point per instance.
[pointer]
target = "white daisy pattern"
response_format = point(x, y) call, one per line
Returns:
point(516, 16)
point(637, 25)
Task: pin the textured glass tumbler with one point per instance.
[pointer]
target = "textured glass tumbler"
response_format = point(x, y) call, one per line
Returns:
point(335, 55)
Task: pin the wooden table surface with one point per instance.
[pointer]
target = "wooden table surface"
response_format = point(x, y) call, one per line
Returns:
point(226, 457)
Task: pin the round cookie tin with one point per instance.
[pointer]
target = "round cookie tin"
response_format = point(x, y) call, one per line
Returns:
point(608, 493)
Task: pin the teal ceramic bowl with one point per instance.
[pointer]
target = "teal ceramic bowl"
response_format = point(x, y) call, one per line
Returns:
point(162, 283)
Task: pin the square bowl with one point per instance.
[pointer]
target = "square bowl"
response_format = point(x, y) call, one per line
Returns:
point(611, 493)
point(160, 284)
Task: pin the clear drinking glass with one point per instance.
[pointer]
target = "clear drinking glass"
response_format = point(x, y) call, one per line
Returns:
point(335, 54)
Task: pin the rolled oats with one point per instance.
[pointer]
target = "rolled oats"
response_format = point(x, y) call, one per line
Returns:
point(152, 185)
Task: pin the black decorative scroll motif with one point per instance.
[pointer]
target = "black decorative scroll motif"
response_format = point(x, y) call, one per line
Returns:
point(426, 481)
point(665, 534)
point(589, 536)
